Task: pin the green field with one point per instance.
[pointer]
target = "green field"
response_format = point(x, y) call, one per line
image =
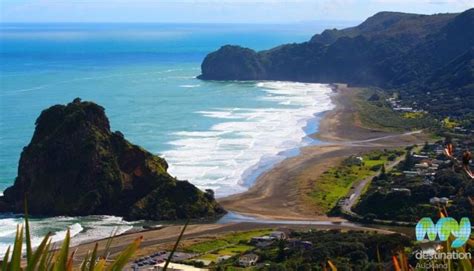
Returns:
point(336, 182)
point(379, 115)
point(229, 250)
point(229, 244)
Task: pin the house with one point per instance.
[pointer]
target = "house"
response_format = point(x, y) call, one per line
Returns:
point(410, 173)
point(248, 260)
point(299, 244)
point(404, 109)
point(264, 244)
point(422, 166)
point(259, 239)
point(434, 200)
point(444, 200)
point(278, 235)
point(405, 191)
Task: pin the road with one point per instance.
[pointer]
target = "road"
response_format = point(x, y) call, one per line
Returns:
point(355, 193)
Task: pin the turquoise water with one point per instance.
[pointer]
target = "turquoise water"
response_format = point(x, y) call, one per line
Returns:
point(218, 135)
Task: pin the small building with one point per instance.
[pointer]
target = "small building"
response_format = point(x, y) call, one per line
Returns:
point(299, 244)
point(434, 200)
point(423, 165)
point(444, 200)
point(248, 260)
point(405, 191)
point(403, 109)
point(279, 235)
point(410, 173)
point(419, 157)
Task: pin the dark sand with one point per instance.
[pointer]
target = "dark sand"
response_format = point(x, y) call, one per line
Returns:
point(281, 192)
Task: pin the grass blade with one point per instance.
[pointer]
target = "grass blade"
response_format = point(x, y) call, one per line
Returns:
point(93, 257)
point(5, 260)
point(29, 249)
point(62, 258)
point(17, 249)
point(175, 246)
point(49, 259)
point(332, 266)
point(70, 261)
point(396, 265)
point(85, 261)
point(379, 259)
point(100, 265)
point(109, 241)
point(36, 257)
point(125, 256)
point(43, 265)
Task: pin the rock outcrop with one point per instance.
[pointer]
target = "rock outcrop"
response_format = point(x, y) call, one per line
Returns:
point(233, 62)
point(75, 165)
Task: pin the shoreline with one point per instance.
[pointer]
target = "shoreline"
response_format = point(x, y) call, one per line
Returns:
point(311, 128)
point(277, 199)
point(280, 193)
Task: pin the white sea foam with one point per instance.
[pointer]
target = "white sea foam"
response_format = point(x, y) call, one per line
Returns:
point(102, 227)
point(190, 86)
point(82, 229)
point(247, 141)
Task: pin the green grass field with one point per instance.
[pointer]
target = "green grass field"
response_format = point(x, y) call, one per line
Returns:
point(379, 115)
point(226, 242)
point(230, 244)
point(229, 250)
point(336, 182)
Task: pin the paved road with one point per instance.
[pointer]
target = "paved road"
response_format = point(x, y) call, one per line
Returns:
point(355, 193)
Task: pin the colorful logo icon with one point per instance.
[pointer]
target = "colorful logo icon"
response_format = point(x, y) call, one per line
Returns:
point(445, 227)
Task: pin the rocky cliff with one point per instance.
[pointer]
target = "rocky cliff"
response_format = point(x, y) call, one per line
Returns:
point(75, 165)
point(392, 50)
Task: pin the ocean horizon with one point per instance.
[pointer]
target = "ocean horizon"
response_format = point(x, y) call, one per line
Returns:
point(217, 135)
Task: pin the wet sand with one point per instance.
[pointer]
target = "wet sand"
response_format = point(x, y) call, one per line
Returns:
point(281, 193)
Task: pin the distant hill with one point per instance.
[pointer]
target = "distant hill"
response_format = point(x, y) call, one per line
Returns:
point(417, 55)
point(75, 165)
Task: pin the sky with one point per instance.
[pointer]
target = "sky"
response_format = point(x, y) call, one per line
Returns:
point(215, 11)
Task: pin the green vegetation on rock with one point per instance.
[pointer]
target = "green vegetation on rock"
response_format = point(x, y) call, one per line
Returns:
point(75, 165)
point(429, 59)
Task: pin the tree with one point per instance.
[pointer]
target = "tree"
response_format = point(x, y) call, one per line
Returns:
point(409, 161)
point(383, 174)
point(281, 251)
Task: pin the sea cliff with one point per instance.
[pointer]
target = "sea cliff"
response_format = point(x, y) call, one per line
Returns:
point(75, 165)
point(414, 54)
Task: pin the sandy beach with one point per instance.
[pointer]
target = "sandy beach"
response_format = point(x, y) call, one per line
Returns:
point(280, 193)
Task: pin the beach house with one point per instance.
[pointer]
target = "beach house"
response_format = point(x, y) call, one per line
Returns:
point(248, 260)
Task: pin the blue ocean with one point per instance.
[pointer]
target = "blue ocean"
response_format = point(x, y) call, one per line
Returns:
point(217, 135)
